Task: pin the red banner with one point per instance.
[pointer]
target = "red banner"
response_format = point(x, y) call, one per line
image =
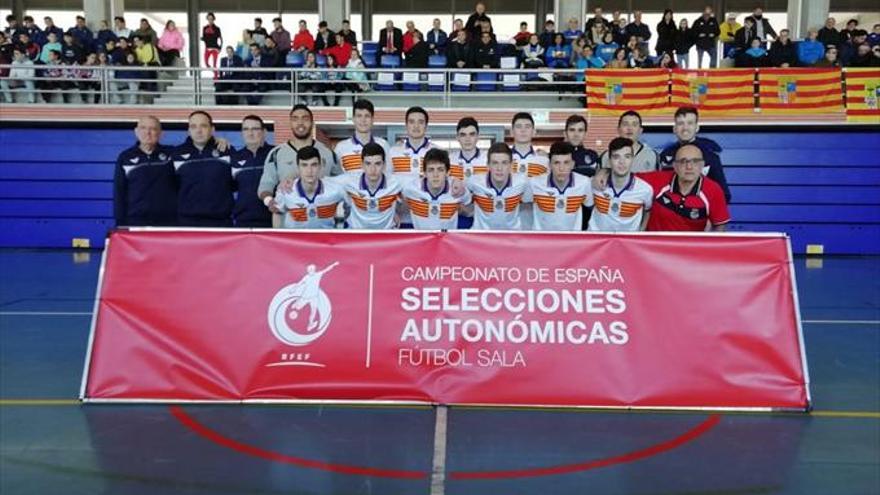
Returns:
point(696, 320)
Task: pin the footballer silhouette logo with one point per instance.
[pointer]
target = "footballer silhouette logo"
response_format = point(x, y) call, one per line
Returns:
point(300, 313)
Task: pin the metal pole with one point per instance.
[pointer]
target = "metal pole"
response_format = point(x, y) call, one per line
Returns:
point(192, 27)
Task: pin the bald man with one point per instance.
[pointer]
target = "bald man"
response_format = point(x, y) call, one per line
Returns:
point(144, 186)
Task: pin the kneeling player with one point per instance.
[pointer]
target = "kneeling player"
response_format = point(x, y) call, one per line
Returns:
point(558, 196)
point(312, 203)
point(372, 195)
point(624, 204)
point(498, 194)
point(430, 199)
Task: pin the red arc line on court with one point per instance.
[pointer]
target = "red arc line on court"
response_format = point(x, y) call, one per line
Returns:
point(269, 455)
point(636, 455)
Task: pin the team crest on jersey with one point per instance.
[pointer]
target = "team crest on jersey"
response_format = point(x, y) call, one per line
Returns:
point(312, 212)
point(300, 313)
point(373, 204)
point(560, 203)
point(434, 210)
point(163, 156)
point(695, 213)
point(215, 154)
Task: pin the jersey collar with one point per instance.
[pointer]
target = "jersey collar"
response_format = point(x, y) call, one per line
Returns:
point(366, 187)
point(492, 184)
point(417, 151)
point(434, 198)
point(302, 193)
point(358, 141)
point(294, 148)
point(471, 159)
point(629, 183)
point(523, 157)
point(552, 183)
point(694, 190)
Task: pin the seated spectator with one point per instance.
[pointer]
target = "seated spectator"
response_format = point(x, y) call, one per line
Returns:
point(104, 35)
point(243, 47)
point(558, 54)
point(356, 62)
point(754, 56)
point(783, 52)
point(546, 37)
point(533, 53)
point(324, 38)
point(53, 79)
point(417, 56)
point(641, 60)
point(303, 41)
point(810, 51)
point(310, 77)
point(5, 51)
point(52, 28)
point(88, 80)
point(847, 34)
point(874, 37)
point(391, 39)
point(170, 44)
point(665, 61)
point(145, 32)
point(573, 32)
point(259, 60)
point(408, 40)
point(742, 40)
point(486, 52)
point(340, 50)
point(126, 83)
point(577, 50)
point(145, 52)
point(21, 75)
point(605, 50)
point(226, 78)
point(684, 40)
point(31, 49)
point(620, 60)
point(112, 53)
point(829, 35)
point(588, 60)
point(437, 38)
point(71, 52)
point(52, 44)
point(849, 48)
point(348, 35)
point(865, 57)
point(459, 54)
point(632, 46)
point(522, 38)
point(333, 82)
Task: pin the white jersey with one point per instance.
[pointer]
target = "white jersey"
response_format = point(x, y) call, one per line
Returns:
point(557, 209)
point(431, 212)
point(645, 159)
point(348, 153)
point(371, 210)
point(405, 162)
point(531, 164)
point(498, 209)
point(311, 212)
point(462, 168)
point(621, 211)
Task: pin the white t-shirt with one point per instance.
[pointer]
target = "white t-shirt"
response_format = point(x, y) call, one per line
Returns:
point(621, 211)
point(431, 212)
point(496, 209)
point(556, 209)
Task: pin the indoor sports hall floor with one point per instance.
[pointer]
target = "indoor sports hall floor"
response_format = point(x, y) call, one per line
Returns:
point(50, 444)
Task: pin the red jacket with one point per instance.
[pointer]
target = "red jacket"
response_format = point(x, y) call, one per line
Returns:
point(408, 41)
point(340, 52)
point(303, 39)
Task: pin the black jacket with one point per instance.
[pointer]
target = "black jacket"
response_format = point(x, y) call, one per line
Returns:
point(144, 188)
point(783, 54)
point(666, 34)
point(830, 37)
point(417, 56)
point(768, 29)
point(486, 55)
point(397, 39)
point(638, 30)
point(684, 40)
point(705, 32)
point(456, 52)
point(320, 44)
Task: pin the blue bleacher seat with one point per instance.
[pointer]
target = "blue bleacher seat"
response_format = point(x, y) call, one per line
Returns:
point(321, 60)
point(295, 59)
point(485, 81)
point(369, 59)
point(436, 81)
point(390, 61)
point(369, 47)
point(437, 61)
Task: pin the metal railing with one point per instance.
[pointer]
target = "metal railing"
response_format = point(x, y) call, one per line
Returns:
point(114, 85)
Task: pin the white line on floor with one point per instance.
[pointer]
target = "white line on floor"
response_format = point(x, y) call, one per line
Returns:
point(438, 465)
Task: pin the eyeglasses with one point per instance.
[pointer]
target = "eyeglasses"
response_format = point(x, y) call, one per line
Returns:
point(690, 161)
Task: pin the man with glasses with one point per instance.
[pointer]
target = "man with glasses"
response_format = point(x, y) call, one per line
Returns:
point(247, 168)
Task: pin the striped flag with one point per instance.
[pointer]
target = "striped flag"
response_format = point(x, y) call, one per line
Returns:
point(612, 91)
point(715, 91)
point(787, 91)
point(862, 95)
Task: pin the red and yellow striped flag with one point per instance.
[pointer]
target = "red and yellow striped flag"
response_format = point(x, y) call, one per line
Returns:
point(787, 91)
point(863, 95)
point(715, 91)
point(612, 91)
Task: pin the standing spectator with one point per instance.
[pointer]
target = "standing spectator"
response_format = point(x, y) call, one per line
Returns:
point(82, 34)
point(874, 37)
point(829, 35)
point(686, 129)
point(170, 44)
point(71, 52)
point(408, 36)
point(783, 52)
point(391, 39)
point(145, 32)
point(437, 39)
point(459, 54)
point(11, 26)
point(21, 75)
point(706, 35)
point(638, 29)
point(558, 54)
point(533, 54)
point(762, 27)
point(728, 31)
point(213, 39)
point(666, 33)
point(619, 30)
point(847, 33)
point(486, 52)
point(620, 60)
point(271, 58)
point(325, 38)
point(596, 19)
point(31, 49)
point(340, 50)
point(51, 28)
point(52, 44)
point(33, 31)
point(521, 38)
point(348, 35)
point(310, 78)
point(830, 58)
point(119, 28)
point(684, 40)
point(144, 186)
point(417, 56)
point(243, 47)
point(104, 35)
point(303, 42)
point(597, 33)
point(607, 48)
point(281, 37)
point(547, 35)
point(473, 22)
point(6, 48)
point(457, 25)
point(227, 77)
point(259, 33)
point(147, 56)
point(573, 32)
point(247, 168)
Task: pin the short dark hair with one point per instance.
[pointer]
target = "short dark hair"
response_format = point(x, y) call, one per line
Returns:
point(852, 21)
point(277, 19)
point(436, 155)
point(79, 17)
point(501, 148)
point(119, 18)
point(467, 122)
point(629, 113)
point(575, 119)
point(364, 104)
point(28, 18)
point(619, 143)
point(11, 18)
point(682, 111)
point(522, 115)
point(322, 24)
point(524, 23)
point(346, 21)
point(373, 149)
point(254, 45)
point(254, 117)
point(561, 148)
point(211, 15)
point(258, 19)
point(307, 153)
point(412, 110)
point(201, 112)
point(300, 106)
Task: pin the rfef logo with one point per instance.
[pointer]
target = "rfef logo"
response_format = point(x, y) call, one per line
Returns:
point(300, 313)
